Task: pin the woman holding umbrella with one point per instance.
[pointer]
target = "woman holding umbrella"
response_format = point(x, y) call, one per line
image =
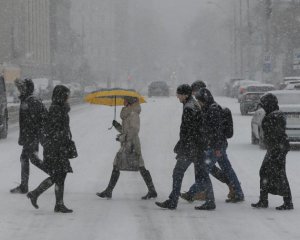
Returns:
point(129, 157)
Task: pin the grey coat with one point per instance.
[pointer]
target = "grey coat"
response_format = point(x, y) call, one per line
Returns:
point(129, 130)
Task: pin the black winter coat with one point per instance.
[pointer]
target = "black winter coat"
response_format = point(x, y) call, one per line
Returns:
point(189, 144)
point(32, 116)
point(58, 137)
point(272, 172)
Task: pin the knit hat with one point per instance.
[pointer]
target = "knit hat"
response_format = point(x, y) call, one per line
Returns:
point(184, 89)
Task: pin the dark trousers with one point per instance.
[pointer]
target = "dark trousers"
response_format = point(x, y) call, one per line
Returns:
point(29, 153)
point(201, 176)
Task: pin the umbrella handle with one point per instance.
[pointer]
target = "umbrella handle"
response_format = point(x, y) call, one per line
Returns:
point(115, 112)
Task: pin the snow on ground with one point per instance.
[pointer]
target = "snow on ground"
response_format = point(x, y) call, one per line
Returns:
point(125, 216)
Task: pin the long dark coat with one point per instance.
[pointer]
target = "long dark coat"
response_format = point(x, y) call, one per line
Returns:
point(31, 118)
point(273, 177)
point(189, 144)
point(58, 134)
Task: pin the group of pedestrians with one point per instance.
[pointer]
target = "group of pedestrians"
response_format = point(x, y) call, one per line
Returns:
point(52, 130)
point(202, 142)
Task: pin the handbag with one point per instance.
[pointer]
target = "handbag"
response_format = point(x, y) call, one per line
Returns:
point(72, 151)
point(127, 161)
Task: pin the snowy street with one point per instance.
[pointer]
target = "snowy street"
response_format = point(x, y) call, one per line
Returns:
point(126, 216)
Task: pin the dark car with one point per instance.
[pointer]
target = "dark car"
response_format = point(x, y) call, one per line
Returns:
point(3, 109)
point(158, 88)
point(251, 95)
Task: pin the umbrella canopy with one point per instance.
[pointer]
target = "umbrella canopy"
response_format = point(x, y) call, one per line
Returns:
point(112, 96)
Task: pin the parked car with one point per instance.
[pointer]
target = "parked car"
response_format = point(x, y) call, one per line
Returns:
point(240, 84)
point(289, 104)
point(3, 110)
point(158, 88)
point(242, 88)
point(293, 86)
point(251, 95)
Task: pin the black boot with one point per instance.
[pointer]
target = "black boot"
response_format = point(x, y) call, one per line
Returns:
point(19, 189)
point(107, 193)
point(62, 208)
point(208, 205)
point(166, 204)
point(148, 180)
point(288, 204)
point(33, 195)
point(261, 204)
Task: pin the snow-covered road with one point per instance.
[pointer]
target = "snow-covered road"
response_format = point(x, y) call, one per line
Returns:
point(125, 216)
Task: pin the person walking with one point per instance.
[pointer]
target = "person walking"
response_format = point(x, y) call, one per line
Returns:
point(32, 117)
point(216, 172)
point(130, 146)
point(56, 149)
point(217, 142)
point(189, 150)
point(273, 178)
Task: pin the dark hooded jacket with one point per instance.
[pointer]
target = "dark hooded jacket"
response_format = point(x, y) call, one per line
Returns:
point(58, 133)
point(189, 144)
point(273, 124)
point(212, 113)
point(32, 116)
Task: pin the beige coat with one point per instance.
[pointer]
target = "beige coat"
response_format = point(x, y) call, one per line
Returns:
point(129, 130)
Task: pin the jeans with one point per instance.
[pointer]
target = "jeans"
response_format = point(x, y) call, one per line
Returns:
point(225, 165)
point(201, 177)
point(28, 152)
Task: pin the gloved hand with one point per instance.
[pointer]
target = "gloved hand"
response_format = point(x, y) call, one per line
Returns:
point(116, 124)
point(121, 137)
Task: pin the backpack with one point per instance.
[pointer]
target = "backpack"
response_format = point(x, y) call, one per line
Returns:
point(227, 122)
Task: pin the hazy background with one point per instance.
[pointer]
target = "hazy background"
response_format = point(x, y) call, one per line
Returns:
point(135, 42)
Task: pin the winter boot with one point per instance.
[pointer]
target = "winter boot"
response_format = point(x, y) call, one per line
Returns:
point(107, 193)
point(33, 195)
point(208, 205)
point(148, 180)
point(231, 193)
point(235, 199)
point(261, 204)
point(62, 209)
point(20, 189)
point(187, 196)
point(166, 204)
point(288, 204)
point(33, 198)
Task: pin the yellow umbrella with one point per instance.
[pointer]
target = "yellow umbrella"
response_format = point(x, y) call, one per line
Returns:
point(112, 97)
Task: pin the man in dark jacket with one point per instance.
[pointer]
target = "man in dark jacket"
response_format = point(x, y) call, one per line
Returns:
point(31, 119)
point(272, 173)
point(188, 150)
point(217, 142)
